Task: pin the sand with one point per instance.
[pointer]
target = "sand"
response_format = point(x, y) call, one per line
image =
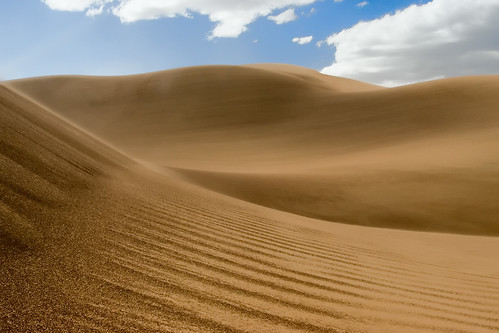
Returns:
point(261, 198)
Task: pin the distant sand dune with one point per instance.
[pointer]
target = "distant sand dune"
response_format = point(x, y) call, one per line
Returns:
point(121, 204)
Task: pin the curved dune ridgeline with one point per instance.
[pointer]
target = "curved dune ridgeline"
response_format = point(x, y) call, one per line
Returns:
point(208, 199)
point(419, 157)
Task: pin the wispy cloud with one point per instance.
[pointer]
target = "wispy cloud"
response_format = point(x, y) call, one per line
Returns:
point(284, 17)
point(302, 40)
point(362, 4)
point(93, 11)
point(92, 7)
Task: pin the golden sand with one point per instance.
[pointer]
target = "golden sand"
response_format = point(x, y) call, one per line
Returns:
point(262, 198)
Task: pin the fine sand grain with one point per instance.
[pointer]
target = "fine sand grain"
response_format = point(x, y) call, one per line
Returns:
point(207, 199)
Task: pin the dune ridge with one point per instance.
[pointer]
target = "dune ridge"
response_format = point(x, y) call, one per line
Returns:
point(257, 113)
point(419, 157)
point(93, 239)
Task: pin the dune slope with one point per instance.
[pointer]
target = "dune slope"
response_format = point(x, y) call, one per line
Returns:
point(92, 240)
point(51, 177)
point(420, 157)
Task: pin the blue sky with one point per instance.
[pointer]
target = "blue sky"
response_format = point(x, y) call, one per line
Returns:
point(51, 37)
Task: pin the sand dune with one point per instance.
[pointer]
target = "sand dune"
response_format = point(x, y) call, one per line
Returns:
point(217, 117)
point(421, 157)
point(121, 203)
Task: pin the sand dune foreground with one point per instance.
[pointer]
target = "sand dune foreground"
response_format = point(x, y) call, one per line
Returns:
point(207, 199)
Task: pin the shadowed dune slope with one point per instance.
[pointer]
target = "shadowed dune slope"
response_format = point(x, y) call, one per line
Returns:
point(46, 164)
point(51, 177)
point(420, 157)
point(94, 241)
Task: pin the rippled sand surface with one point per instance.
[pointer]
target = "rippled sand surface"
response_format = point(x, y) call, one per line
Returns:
point(262, 198)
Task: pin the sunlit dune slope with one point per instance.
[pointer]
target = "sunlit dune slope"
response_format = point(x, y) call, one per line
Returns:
point(92, 240)
point(220, 116)
point(421, 157)
point(187, 116)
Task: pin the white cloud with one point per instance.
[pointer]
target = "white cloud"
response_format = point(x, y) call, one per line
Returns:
point(442, 38)
point(71, 5)
point(362, 4)
point(231, 16)
point(92, 7)
point(302, 40)
point(92, 11)
point(284, 17)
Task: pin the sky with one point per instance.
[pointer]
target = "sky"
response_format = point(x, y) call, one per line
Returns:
point(386, 42)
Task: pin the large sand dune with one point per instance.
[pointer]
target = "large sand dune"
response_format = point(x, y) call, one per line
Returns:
point(420, 157)
point(207, 199)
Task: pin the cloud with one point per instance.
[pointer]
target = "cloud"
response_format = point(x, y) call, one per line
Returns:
point(231, 16)
point(302, 40)
point(93, 7)
point(442, 38)
point(309, 13)
point(284, 17)
point(362, 4)
point(92, 11)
